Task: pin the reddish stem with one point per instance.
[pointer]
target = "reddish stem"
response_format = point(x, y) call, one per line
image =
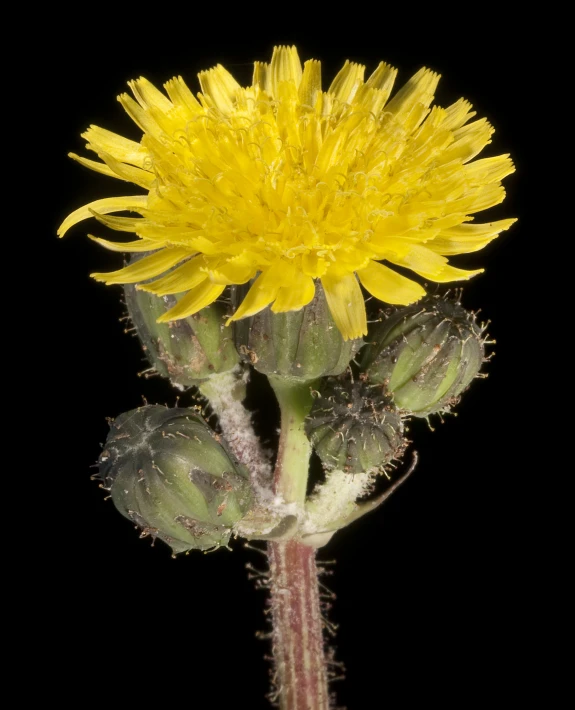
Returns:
point(298, 643)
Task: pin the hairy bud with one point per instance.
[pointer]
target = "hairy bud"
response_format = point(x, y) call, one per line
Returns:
point(304, 344)
point(426, 355)
point(167, 473)
point(186, 351)
point(354, 427)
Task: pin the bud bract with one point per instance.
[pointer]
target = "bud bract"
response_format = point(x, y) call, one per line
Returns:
point(354, 427)
point(304, 344)
point(425, 355)
point(167, 473)
point(187, 350)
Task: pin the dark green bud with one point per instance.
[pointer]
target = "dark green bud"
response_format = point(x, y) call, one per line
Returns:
point(354, 427)
point(304, 344)
point(168, 473)
point(426, 355)
point(188, 350)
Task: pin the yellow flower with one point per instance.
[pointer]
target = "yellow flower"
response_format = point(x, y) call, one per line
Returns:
point(289, 183)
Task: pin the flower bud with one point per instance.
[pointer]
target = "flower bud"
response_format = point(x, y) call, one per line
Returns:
point(167, 472)
point(188, 350)
point(304, 344)
point(354, 427)
point(425, 355)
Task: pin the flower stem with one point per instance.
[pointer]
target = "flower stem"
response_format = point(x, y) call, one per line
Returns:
point(298, 645)
point(292, 466)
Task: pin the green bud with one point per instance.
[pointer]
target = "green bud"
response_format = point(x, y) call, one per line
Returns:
point(188, 350)
point(168, 473)
point(354, 427)
point(426, 355)
point(304, 344)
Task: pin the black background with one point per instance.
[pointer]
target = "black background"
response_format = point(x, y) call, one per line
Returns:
point(431, 589)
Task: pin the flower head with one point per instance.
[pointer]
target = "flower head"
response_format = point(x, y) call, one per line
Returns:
point(286, 183)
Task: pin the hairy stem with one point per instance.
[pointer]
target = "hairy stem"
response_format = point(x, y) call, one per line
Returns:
point(225, 392)
point(298, 645)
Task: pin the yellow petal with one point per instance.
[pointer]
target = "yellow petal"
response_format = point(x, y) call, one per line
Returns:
point(432, 266)
point(297, 294)
point(489, 170)
point(353, 259)
point(313, 265)
point(141, 117)
point(421, 260)
point(148, 96)
point(185, 277)
point(420, 89)
point(100, 139)
point(382, 80)
point(145, 268)
point(469, 141)
point(330, 152)
point(181, 96)
point(94, 165)
point(396, 225)
point(193, 243)
point(116, 169)
point(263, 291)
point(451, 273)
point(345, 301)
point(454, 246)
point(120, 224)
point(466, 238)
point(473, 231)
point(285, 66)
point(389, 286)
point(136, 246)
point(196, 299)
point(261, 77)
point(457, 115)
point(347, 82)
point(310, 85)
point(479, 199)
point(220, 87)
point(105, 206)
point(237, 270)
point(143, 178)
point(488, 196)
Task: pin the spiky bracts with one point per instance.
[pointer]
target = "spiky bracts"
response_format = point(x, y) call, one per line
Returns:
point(424, 355)
point(354, 428)
point(187, 351)
point(169, 475)
point(302, 345)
